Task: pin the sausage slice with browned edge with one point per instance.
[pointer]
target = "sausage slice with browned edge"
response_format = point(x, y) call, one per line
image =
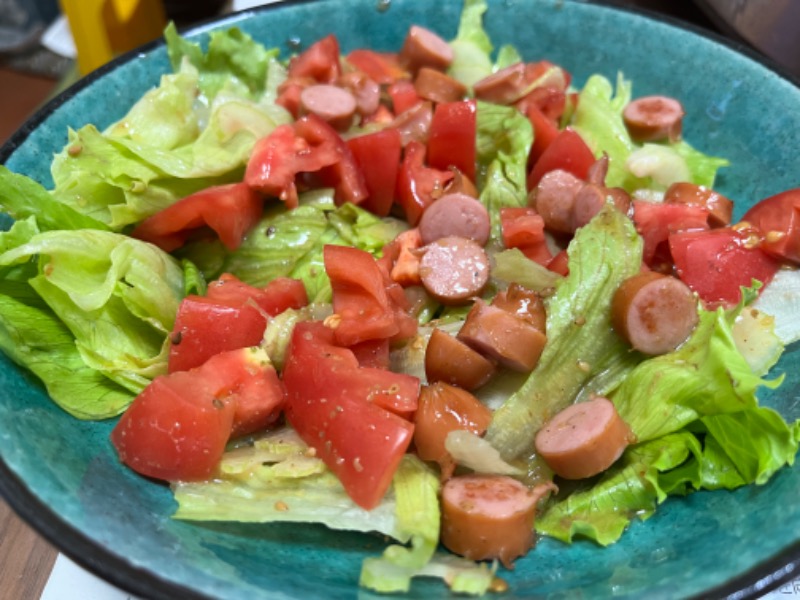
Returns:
point(487, 517)
point(502, 336)
point(584, 439)
point(506, 86)
point(554, 199)
point(450, 360)
point(454, 269)
point(433, 85)
point(444, 408)
point(720, 208)
point(653, 312)
point(654, 118)
point(455, 214)
point(524, 303)
point(424, 48)
point(331, 103)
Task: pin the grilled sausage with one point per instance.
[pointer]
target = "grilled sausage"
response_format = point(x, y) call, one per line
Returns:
point(455, 214)
point(506, 86)
point(436, 86)
point(486, 517)
point(450, 360)
point(444, 408)
point(502, 336)
point(720, 208)
point(454, 269)
point(654, 118)
point(584, 439)
point(523, 303)
point(554, 200)
point(655, 313)
point(331, 103)
point(424, 48)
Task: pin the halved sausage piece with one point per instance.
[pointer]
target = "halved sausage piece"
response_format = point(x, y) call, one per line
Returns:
point(584, 439)
point(331, 103)
point(436, 86)
point(654, 118)
point(502, 336)
point(424, 48)
point(524, 303)
point(654, 312)
point(450, 360)
point(455, 214)
point(720, 208)
point(554, 199)
point(506, 86)
point(444, 408)
point(591, 198)
point(487, 517)
point(454, 269)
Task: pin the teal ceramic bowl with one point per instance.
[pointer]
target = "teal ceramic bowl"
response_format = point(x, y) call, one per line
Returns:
point(62, 475)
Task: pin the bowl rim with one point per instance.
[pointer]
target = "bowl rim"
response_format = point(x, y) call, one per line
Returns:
point(100, 560)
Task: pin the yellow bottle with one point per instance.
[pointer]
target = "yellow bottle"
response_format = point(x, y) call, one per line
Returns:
point(102, 29)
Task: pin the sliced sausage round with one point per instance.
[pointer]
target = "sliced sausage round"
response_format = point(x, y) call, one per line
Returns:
point(444, 408)
point(584, 439)
point(524, 303)
point(450, 360)
point(598, 171)
point(719, 207)
point(331, 103)
point(654, 118)
point(502, 336)
point(455, 214)
point(366, 91)
point(487, 517)
point(506, 86)
point(654, 312)
point(554, 200)
point(436, 86)
point(424, 48)
point(454, 269)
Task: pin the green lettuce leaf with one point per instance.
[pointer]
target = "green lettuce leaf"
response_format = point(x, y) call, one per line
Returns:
point(581, 342)
point(472, 47)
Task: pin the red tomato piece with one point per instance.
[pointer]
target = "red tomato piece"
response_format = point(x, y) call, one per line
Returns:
point(372, 353)
point(344, 174)
point(560, 263)
point(778, 220)
point(718, 262)
point(360, 298)
point(232, 315)
point(452, 137)
point(545, 130)
point(404, 95)
point(329, 407)
point(378, 157)
point(417, 185)
point(567, 151)
point(383, 68)
point(656, 221)
point(229, 210)
point(320, 61)
point(523, 228)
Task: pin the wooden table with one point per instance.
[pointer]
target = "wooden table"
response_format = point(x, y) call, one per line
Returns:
point(25, 558)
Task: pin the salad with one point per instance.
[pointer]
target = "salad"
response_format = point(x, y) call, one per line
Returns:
point(442, 295)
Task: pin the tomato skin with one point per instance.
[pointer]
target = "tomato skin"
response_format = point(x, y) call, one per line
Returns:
point(656, 221)
point(560, 263)
point(382, 68)
point(545, 130)
point(567, 151)
point(378, 157)
point(232, 315)
point(717, 262)
point(418, 185)
point(360, 442)
point(229, 210)
point(452, 137)
point(320, 61)
point(403, 95)
point(523, 228)
point(778, 220)
point(367, 310)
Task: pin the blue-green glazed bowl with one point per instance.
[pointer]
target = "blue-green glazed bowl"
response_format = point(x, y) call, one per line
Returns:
point(63, 477)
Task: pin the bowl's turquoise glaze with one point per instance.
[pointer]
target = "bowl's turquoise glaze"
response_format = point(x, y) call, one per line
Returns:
point(62, 475)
